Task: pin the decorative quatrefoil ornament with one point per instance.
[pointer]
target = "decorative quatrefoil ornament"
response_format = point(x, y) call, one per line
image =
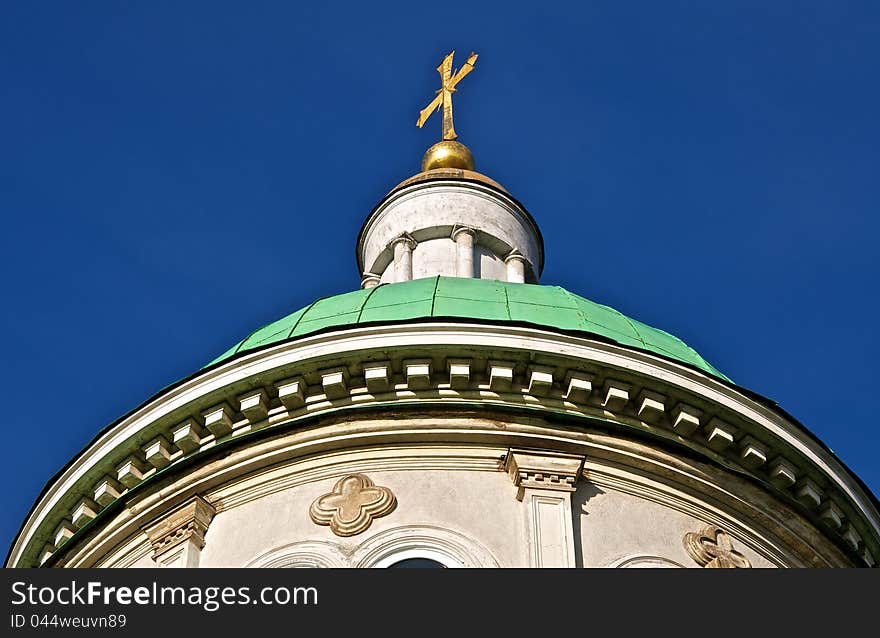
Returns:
point(712, 547)
point(352, 505)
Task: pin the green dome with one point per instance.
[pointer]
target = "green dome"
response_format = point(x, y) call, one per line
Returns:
point(484, 300)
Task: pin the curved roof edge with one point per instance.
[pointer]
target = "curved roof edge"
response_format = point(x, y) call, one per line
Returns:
point(764, 401)
point(475, 300)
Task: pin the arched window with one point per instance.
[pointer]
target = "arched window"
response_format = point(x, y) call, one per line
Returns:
point(407, 547)
point(421, 557)
point(302, 554)
point(645, 561)
point(417, 563)
point(412, 546)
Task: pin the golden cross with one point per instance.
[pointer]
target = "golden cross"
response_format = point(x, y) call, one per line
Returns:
point(448, 80)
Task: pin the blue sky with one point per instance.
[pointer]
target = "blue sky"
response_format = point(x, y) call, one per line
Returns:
point(175, 174)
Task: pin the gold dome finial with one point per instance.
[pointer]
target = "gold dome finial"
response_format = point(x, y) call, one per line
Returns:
point(447, 153)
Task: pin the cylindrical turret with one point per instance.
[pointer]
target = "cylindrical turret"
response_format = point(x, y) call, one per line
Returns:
point(449, 220)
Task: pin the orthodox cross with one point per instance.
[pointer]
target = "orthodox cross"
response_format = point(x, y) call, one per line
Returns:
point(448, 80)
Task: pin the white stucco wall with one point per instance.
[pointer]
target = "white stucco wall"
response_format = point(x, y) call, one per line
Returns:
point(453, 500)
point(611, 528)
point(621, 530)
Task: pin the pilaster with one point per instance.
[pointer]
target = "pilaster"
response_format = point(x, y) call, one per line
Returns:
point(178, 538)
point(545, 481)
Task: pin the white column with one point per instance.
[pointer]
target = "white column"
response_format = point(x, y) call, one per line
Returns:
point(178, 538)
point(464, 251)
point(516, 267)
point(545, 481)
point(403, 247)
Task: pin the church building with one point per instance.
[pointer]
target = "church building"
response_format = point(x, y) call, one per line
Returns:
point(455, 411)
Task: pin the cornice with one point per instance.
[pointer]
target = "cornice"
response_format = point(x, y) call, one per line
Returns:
point(456, 364)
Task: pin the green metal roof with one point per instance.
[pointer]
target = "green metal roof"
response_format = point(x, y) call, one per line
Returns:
point(484, 300)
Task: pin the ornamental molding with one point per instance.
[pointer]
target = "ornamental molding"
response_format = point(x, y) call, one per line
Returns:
point(515, 255)
point(392, 544)
point(645, 561)
point(280, 463)
point(127, 554)
point(445, 545)
point(406, 239)
point(188, 523)
point(370, 280)
point(350, 507)
point(379, 459)
point(492, 366)
point(458, 229)
point(303, 554)
point(543, 470)
point(751, 521)
point(712, 547)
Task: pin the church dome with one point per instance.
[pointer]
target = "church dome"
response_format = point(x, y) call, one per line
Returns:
point(477, 300)
point(453, 410)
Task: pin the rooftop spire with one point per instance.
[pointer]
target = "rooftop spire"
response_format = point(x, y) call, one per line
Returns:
point(449, 220)
point(447, 153)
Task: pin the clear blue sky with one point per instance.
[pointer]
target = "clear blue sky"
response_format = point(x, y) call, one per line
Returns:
point(174, 174)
